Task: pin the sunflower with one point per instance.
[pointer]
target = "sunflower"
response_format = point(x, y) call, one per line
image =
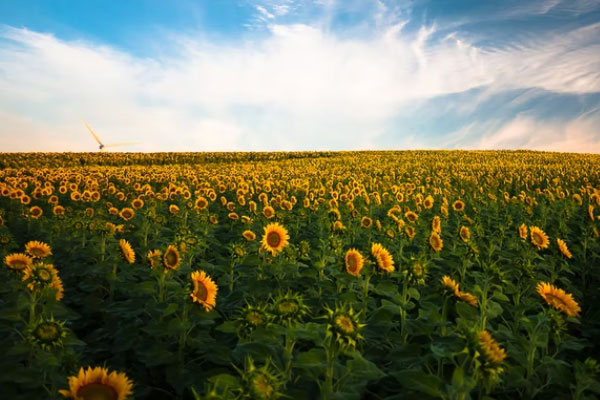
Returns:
point(591, 212)
point(127, 214)
point(562, 246)
point(41, 276)
point(18, 261)
point(38, 249)
point(383, 258)
point(201, 203)
point(35, 212)
point(262, 383)
point(154, 256)
point(173, 209)
point(47, 333)
point(289, 308)
point(268, 212)
point(523, 232)
point(465, 233)
point(97, 383)
point(338, 226)
point(275, 238)
point(450, 284)
point(411, 216)
point(58, 210)
point(466, 297)
point(366, 222)
point(354, 262)
point(538, 237)
point(171, 258)
point(558, 299)
point(410, 231)
point(344, 325)
point(137, 203)
point(205, 290)
point(233, 216)
point(428, 202)
point(493, 352)
point(436, 225)
point(458, 205)
point(127, 251)
point(249, 235)
point(436, 241)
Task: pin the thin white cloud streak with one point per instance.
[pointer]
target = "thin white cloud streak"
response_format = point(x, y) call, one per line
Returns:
point(578, 134)
point(299, 88)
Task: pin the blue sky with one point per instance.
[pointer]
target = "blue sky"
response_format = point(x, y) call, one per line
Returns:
point(244, 75)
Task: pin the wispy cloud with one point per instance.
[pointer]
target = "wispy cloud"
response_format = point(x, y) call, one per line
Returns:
point(300, 87)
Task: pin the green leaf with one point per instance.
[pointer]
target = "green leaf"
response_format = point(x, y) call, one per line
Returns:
point(419, 381)
point(314, 358)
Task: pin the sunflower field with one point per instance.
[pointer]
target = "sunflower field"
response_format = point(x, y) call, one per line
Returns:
point(350, 275)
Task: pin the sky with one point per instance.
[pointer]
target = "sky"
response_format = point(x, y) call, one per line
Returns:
point(290, 75)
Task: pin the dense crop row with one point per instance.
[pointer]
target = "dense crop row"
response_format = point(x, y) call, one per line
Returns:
point(381, 275)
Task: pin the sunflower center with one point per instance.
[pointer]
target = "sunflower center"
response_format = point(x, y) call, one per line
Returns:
point(352, 263)
point(97, 391)
point(47, 332)
point(45, 275)
point(262, 386)
point(344, 323)
point(171, 258)
point(255, 318)
point(201, 291)
point(418, 270)
point(273, 239)
point(287, 307)
point(37, 251)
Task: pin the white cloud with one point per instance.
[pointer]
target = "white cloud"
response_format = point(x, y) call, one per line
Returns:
point(580, 134)
point(301, 87)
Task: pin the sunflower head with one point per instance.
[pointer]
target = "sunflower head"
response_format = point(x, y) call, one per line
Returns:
point(39, 276)
point(127, 251)
point(97, 384)
point(558, 299)
point(354, 262)
point(450, 284)
point(436, 242)
point(35, 212)
point(38, 249)
point(252, 317)
point(383, 258)
point(562, 246)
point(343, 324)
point(458, 205)
point(366, 222)
point(275, 238)
point(127, 214)
point(154, 257)
point(204, 290)
point(249, 235)
point(171, 258)
point(523, 232)
point(289, 308)
point(47, 333)
point(428, 202)
point(464, 233)
point(263, 383)
point(539, 238)
point(494, 354)
point(18, 261)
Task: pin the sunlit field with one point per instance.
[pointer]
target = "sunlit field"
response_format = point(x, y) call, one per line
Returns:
point(341, 275)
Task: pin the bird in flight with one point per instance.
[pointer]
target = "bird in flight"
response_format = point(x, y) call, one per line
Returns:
point(102, 145)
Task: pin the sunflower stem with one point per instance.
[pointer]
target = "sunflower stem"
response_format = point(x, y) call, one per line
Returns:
point(403, 333)
point(113, 279)
point(161, 287)
point(32, 306)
